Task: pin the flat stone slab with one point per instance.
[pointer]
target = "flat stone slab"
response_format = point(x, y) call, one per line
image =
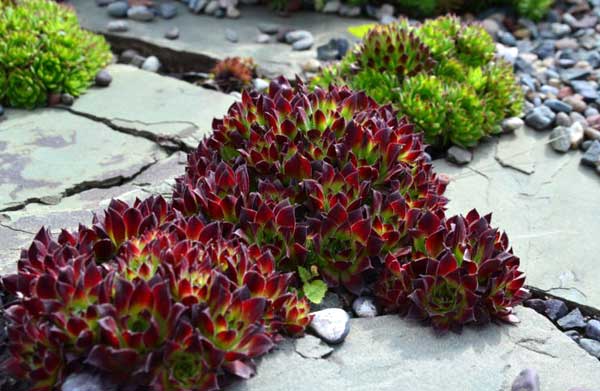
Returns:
point(50, 153)
point(547, 203)
point(391, 353)
point(161, 108)
point(205, 35)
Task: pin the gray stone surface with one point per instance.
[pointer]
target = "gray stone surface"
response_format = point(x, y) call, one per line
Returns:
point(390, 353)
point(163, 107)
point(547, 203)
point(206, 34)
point(50, 153)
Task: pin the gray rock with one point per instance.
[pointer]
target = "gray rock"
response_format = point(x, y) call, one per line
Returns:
point(560, 30)
point(563, 119)
point(297, 35)
point(311, 347)
point(592, 133)
point(576, 133)
point(196, 6)
point(576, 103)
point(103, 3)
point(555, 308)
point(591, 346)
point(590, 112)
point(540, 118)
point(538, 305)
point(573, 334)
point(591, 157)
point(172, 33)
point(103, 78)
point(236, 95)
point(66, 99)
point(138, 61)
point(151, 64)
point(140, 13)
point(507, 38)
point(268, 28)
point(259, 84)
point(349, 10)
point(303, 44)
point(507, 53)
point(364, 307)
point(509, 125)
point(572, 320)
point(559, 139)
point(127, 56)
point(585, 89)
point(558, 106)
point(118, 9)
point(574, 74)
point(331, 7)
point(231, 35)
point(86, 382)
point(592, 330)
point(117, 26)
point(331, 325)
point(586, 145)
point(263, 38)
point(458, 155)
point(232, 12)
point(528, 380)
point(167, 10)
point(212, 7)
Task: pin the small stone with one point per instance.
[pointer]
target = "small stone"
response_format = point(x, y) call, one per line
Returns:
point(220, 13)
point(118, 9)
point(268, 28)
point(331, 325)
point(562, 119)
point(327, 52)
point(385, 10)
point(540, 118)
point(590, 112)
point(594, 121)
point(559, 139)
point(167, 10)
point(560, 29)
point(172, 33)
point(573, 334)
point(364, 307)
point(591, 157)
point(592, 330)
point(312, 65)
point(507, 38)
point(509, 125)
point(231, 35)
point(86, 382)
point(103, 78)
point(509, 54)
point(117, 26)
point(236, 95)
point(103, 3)
point(591, 346)
point(538, 305)
point(576, 134)
point(575, 102)
point(310, 346)
point(555, 308)
point(331, 7)
point(260, 84)
point(572, 320)
point(585, 89)
point(67, 99)
point(263, 38)
point(152, 64)
point(458, 155)
point(1, 110)
point(558, 106)
point(212, 7)
point(303, 44)
point(527, 380)
point(566, 43)
point(349, 10)
point(586, 145)
point(196, 6)
point(127, 56)
point(491, 26)
point(140, 13)
point(138, 61)
point(591, 133)
point(297, 35)
point(232, 12)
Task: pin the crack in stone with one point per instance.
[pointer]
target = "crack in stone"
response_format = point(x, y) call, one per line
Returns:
point(169, 144)
point(81, 187)
point(16, 229)
point(526, 343)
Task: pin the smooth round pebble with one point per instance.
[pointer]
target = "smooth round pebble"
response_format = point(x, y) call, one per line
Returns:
point(172, 33)
point(512, 124)
point(332, 325)
point(364, 307)
point(260, 84)
point(151, 64)
point(231, 35)
point(103, 78)
point(118, 9)
point(555, 308)
point(117, 26)
point(527, 380)
point(592, 330)
point(67, 99)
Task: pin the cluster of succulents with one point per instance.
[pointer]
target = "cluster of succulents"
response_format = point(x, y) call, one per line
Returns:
point(442, 74)
point(534, 9)
point(294, 192)
point(44, 51)
point(234, 73)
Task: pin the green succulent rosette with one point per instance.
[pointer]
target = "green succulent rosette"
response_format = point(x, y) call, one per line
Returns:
point(25, 90)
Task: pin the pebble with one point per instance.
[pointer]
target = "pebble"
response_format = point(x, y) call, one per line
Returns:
point(509, 125)
point(592, 330)
point(311, 347)
point(507, 53)
point(527, 380)
point(364, 307)
point(331, 7)
point(591, 346)
point(506, 38)
point(303, 44)
point(562, 119)
point(566, 43)
point(555, 308)
point(586, 145)
point(590, 112)
point(312, 65)
point(458, 155)
point(212, 7)
point(585, 89)
point(138, 61)
point(140, 13)
point(103, 78)
point(172, 33)
point(118, 9)
point(151, 64)
point(86, 382)
point(1, 110)
point(167, 10)
point(231, 35)
point(67, 99)
point(559, 139)
point(297, 35)
point(592, 133)
point(232, 12)
point(260, 85)
point(572, 320)
point(196, 6)
point(591, 157)
point(576, 134)
point(127, 56)
point(575, 102)
point(540, 118)
point(538, 305)
point(331, 325)
point(348, 10)
point(263, 38)
point(573, 334)
point(268, 28)
point(103, 3)
point(558, 106)
point(117, 26)
point(560, 29)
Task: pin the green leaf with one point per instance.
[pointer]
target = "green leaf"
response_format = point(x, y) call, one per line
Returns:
point(315, 291)
point(361, 30)
point(305, 275)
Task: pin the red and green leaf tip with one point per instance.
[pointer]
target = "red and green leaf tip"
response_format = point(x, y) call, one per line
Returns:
point(180, 295)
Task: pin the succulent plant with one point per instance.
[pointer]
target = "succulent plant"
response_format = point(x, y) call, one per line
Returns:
point(440, 74)
point(43, 51)
point(234, 73)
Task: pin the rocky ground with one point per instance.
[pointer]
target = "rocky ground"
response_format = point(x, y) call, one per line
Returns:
point(60, 164)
